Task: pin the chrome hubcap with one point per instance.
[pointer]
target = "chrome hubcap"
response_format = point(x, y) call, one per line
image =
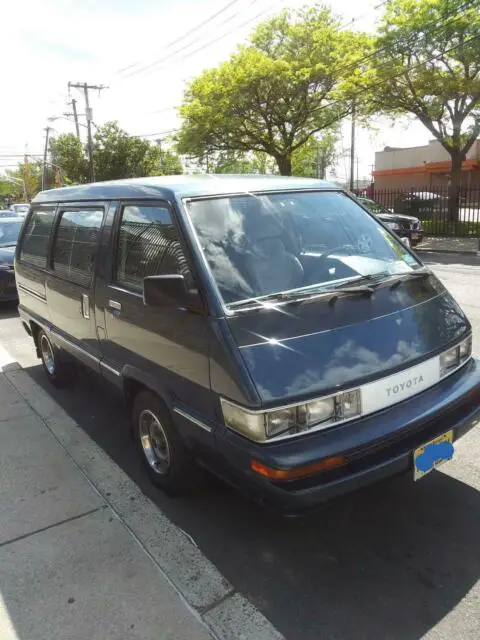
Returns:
point(154, 442)
point(47, 355)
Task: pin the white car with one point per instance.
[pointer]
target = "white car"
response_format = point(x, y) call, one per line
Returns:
point(20, 209)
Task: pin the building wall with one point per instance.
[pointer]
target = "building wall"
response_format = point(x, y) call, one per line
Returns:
point(417, 156)
point(427, 166)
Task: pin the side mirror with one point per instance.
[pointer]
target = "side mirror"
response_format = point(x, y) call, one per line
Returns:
point(406, 242)
point(170, 291)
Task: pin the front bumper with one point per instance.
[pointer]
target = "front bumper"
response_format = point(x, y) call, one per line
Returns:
point(414, 236)
point(376, 447)
point(8, 289)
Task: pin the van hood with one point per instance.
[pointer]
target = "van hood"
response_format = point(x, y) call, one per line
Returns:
point(301, 350)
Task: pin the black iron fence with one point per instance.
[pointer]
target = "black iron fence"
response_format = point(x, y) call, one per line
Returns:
point(434, 208)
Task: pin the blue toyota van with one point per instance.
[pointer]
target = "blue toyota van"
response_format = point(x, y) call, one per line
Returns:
point(269, 329)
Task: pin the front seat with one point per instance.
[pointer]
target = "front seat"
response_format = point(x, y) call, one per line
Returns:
point(270, 266)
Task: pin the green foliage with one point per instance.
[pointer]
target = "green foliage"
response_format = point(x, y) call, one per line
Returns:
point(428, 65)
point(315, 156)
point(68, 152)
point(115, 154)
point(30, 174)
point(274, 94)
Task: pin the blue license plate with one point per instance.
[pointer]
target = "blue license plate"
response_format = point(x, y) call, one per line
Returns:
point(432, 454)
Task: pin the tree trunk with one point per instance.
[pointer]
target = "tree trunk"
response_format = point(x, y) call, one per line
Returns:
point(454, 188)
point(284, 165)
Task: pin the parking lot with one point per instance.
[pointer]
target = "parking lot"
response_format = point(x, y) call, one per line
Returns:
point(398, 560)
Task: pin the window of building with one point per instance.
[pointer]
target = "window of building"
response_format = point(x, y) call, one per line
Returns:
point(36, 237)
point(148, 244)
point(76, 244)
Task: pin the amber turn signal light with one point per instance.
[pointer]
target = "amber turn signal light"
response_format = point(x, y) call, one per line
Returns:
point(296, 472)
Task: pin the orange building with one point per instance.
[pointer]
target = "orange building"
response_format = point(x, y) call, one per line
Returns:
point(425, 167)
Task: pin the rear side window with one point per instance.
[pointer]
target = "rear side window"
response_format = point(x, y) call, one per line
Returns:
point(148, 244)
point(36, 237)
point(75, 244)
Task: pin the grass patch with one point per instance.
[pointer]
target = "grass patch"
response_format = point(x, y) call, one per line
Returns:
point(448, 228)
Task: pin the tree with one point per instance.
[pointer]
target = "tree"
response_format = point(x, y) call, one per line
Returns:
point(68, 152)
point(315, 156)
point(30, 174)
point(274, 94)
point(427, 63)
point(115, 155)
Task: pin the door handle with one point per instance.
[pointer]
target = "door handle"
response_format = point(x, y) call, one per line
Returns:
point(114, 305)
point(85, 306)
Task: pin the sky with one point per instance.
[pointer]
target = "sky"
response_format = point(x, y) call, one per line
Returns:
point(144, 51)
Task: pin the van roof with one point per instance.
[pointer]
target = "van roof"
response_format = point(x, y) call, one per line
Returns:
point(183, 186)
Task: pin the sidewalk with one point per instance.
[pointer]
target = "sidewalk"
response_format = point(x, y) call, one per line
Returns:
point(449, 245)
point(84, 555)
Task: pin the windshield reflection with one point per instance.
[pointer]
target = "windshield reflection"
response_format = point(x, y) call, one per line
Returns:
point(265, 244)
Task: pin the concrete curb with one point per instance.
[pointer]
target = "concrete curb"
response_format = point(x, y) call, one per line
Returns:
point(448, 251)
point(228, 614)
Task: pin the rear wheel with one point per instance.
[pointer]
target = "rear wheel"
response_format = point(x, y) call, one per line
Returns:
point(169, 464)
point(60, 374)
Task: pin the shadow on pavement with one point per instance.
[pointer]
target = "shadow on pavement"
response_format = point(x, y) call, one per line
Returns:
point(8, 310)
point(388, 562)
point(432, 257)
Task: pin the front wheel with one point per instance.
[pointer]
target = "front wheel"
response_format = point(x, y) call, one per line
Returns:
point(60, 374)
point(168, 462)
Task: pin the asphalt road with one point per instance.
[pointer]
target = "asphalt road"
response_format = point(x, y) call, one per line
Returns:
point(396, 561)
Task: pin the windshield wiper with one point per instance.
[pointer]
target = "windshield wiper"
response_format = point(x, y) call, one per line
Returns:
point(396, 279)
point(330, 295)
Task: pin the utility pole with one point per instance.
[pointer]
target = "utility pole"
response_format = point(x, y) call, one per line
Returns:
point(75, 117)
point(88, 113)
point(45, 151)
point(162, 163)
point(352, 149)
point(25, 175)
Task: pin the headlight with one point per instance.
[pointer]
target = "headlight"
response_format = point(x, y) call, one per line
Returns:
point(262, 426)
point(320, 410)
point(456, 356)
point(394, 226)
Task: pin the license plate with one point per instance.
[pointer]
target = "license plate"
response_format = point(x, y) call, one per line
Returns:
point(432, 454)
point(415, 236)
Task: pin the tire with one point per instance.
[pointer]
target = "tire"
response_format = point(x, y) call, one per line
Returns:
point(61, 374)
point(169, 464)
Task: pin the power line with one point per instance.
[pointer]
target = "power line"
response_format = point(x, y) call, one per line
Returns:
point(397, 75)
point(445, 25)
point(182, 48)
point(185, 35)
point(408, 41)
point(88, 114)
point(188, 54)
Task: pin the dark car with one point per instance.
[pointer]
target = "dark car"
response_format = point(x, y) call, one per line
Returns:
point(268, 328)
point(9, 232)
point(425, 204)
point(404, 226)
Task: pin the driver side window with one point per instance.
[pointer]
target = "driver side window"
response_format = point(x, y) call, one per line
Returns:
point(148, 244)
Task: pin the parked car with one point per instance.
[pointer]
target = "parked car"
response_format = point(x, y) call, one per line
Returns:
point(404, 226)
point(268, 328)
point(20, 208)
point(9, 232)
point(8, 213)
point(425, 204)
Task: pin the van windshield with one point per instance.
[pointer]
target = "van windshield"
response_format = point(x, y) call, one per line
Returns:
point(262, 244)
